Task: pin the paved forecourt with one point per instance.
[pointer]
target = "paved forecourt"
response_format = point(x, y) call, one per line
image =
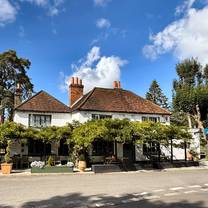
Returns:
point(106, 190)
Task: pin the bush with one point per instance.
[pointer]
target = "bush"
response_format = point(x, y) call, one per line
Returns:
point(50, 161)
point(7, 157)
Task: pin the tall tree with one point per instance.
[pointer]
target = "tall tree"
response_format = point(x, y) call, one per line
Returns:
point(190, 91)
point(156, 95)
point(13, 73)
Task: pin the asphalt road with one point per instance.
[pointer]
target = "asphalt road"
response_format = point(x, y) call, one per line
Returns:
point(144, 189)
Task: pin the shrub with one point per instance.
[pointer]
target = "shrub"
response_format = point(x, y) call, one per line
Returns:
point(7, 157)
point(50, 161)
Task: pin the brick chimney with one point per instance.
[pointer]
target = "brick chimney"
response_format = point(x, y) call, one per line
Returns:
point(18, 95)
point(75, 90)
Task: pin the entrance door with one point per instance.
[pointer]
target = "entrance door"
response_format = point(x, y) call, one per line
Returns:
point(129, 151)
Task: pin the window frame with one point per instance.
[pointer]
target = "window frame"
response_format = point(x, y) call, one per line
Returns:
point(42, 124)
point(100, 116)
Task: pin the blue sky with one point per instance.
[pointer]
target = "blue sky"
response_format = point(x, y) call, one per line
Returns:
point(134, 41)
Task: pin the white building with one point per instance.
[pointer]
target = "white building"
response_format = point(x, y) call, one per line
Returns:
point(44, 110)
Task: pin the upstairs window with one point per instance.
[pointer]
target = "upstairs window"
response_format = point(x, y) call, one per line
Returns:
point(100, 116)
point(152, 119)
point(39, 121)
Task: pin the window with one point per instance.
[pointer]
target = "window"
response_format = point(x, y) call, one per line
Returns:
point(102, 148)
point(38, 148)
point(39, 120)
point(151, 148)
point(63, 148)
point(144, 118)
point(100, 116)
point(153, 119)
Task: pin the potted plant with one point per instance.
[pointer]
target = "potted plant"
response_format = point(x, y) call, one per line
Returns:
point(82, 163)
point(6, 167)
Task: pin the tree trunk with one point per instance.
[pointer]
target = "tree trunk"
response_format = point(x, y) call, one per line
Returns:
point(199, 122)
point(200, 126)
point(185, 150)
point(189, 120)
point(171, 149)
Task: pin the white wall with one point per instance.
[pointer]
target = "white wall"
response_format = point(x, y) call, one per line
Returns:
point(57, 119)
point(83, 116)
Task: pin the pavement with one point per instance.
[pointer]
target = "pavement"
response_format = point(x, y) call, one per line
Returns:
point(170, 189)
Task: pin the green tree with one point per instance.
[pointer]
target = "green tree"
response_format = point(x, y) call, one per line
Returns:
point(190, 92)
point(156, 95)
point(13, 71)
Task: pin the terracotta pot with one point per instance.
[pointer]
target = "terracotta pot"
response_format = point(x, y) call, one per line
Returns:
point(6, 168)
point(82, 166)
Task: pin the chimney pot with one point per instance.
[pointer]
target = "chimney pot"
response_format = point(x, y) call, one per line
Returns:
point(115, 84)
point(119, 84)
point(72, 80)
point(80, 82)
point(76, 80)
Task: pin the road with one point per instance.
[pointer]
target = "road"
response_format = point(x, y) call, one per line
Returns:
point(187, 188)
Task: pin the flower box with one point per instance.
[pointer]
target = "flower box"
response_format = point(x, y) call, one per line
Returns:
point(53, 169)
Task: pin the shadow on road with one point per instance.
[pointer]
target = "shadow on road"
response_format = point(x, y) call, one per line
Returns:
point(77, 200)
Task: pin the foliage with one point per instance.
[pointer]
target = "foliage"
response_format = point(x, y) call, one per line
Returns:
point(50, 161)
point(156, 95)
point(11, 131)
point(125, 131)
point(7, 157)
point(13, 70)
point(51, 134)
point(145, 132)
point(190, 91)
point(118, 130)
point(178, 118)
point(85, 134)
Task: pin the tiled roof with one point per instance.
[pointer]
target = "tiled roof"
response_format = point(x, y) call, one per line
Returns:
point(43, 102)
point(116, 100)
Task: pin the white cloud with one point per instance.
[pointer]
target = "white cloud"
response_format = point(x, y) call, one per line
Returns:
point(8, 12)
point(40, 3)
point(96, 70)
point(185, 38)
point(187, 4)
point(53, 7)
point(101, 3)
point(103, 23)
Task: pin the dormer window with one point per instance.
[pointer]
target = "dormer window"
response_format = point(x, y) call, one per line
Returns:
point(39, 121)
